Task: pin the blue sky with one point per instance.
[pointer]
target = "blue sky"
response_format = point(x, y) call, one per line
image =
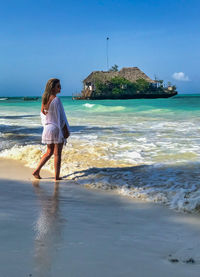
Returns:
point(67, 39)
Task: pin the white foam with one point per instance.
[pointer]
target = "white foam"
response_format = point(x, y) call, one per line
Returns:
point(88, 105)
point(176, 186)
point(2, 99)
point(101, 108)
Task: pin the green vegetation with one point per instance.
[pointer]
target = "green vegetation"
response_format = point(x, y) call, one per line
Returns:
point(119, 87)
point(114, 68)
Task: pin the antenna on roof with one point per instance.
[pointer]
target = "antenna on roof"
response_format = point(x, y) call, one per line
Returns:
point(107, 40)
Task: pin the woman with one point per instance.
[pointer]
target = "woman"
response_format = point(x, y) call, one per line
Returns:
point(56, 127)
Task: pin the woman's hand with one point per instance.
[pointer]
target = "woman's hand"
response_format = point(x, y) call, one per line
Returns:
point(66, 132)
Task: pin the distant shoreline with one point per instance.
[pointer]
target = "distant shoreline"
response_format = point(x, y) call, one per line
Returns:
point(17, 97)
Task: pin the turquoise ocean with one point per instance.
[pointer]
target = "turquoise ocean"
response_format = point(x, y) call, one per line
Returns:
point(146, 149)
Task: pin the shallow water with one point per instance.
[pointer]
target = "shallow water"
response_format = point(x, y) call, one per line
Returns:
point(144, 148)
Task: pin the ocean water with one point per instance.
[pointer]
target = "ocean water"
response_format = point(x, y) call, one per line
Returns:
point(146, 148)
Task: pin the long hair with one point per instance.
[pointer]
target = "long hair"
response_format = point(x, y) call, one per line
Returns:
point(48, 90)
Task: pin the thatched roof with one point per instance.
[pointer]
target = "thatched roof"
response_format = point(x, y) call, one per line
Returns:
point(130, 73)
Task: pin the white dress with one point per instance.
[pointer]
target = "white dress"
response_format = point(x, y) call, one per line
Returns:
point(53, 122)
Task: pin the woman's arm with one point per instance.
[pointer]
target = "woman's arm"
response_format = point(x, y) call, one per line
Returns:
point(64, 121)
point(43, 109)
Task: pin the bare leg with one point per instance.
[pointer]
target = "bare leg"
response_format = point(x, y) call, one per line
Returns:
point(44, 159)
point(57, 159)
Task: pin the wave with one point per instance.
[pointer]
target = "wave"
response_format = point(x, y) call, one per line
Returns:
point(103, 108)
point(4, 98)
point(176, 186)
point(87, 105)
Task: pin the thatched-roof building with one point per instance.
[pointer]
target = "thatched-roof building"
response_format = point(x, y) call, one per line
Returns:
point(130, 73)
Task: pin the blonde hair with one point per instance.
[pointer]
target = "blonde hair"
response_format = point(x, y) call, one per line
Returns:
point(48, 90)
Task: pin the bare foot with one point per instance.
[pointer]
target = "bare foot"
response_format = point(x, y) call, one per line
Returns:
point(57, 179)
point(36, 175)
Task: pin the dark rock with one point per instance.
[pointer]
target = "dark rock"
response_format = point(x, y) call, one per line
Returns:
point(174, 260)
point(190, 261)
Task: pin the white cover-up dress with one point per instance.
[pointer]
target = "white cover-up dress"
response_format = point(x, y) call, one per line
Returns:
point(53, 122)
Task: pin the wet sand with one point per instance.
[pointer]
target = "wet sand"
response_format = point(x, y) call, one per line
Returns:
point(63, 229)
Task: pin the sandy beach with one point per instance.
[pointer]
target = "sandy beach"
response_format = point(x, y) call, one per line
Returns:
point(63, 229)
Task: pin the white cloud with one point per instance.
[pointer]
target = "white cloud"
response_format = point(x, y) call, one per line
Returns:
point(180, 76)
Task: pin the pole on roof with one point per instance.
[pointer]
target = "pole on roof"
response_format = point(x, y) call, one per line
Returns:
point(107, 39)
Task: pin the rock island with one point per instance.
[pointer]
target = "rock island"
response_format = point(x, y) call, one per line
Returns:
point(128, 83)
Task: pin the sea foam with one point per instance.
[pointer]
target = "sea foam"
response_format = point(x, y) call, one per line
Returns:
point(88, 105)
point(176, 186)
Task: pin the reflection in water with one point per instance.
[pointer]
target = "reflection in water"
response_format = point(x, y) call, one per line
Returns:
point(48, 230)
